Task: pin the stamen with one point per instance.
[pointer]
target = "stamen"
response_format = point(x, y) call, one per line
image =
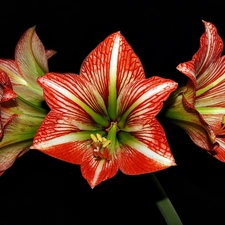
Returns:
point(106, 143)
point(221, 130)
point(99, 137)
point(223, 119)
point(94, 138)
point(100, 149)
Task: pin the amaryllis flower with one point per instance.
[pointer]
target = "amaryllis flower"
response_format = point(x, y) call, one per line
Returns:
point(31, 61)
point(199, 107)
point(104, 118)
point(21, 112)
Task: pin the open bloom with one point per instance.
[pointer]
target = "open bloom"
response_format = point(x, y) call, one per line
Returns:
point(199, 107)
point(21, 97)
point(104, 118)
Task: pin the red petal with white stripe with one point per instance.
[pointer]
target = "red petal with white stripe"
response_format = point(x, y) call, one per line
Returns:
point(59, 137)
point(203, 64)
point(151, 155)
point(143, 99)
point(95, 171)
point(98, 65)
point(71, 95)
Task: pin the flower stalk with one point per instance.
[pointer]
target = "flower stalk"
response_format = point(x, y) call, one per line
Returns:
point(164, 205)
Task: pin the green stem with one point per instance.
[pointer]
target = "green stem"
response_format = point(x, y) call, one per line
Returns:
point(165, 206)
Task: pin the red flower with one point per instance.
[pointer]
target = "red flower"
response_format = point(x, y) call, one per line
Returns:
point(104, 118)
point(199, 107)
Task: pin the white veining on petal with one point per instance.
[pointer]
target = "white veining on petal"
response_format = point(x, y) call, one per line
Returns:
point(151, 154)
point(113, 77)
point(97, 172)
point(71, 137)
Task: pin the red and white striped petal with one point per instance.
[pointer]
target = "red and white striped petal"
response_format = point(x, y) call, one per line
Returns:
point(211, 89)
point(142, 99)
point(144, 151)
point(198, 135)
point(213, 75)
point(60, 137)
point(97, 170)
point(211, 47)
point(213, 116)
point(186, 116)
point(73, 96)
point(112, 63)
point(205, 65)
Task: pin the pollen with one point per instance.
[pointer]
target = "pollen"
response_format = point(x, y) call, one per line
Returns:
point(223, 119)
point(100, 147)
point(94, 138)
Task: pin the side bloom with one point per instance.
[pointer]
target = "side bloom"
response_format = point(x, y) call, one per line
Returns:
point(104, 118)
point(199, 107)
point(21, 97)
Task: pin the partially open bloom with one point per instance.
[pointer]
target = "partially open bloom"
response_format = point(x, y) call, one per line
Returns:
point(21, 97)
point(199, 107)
point(104, 118)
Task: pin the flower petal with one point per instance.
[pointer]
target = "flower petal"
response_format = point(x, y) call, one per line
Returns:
point(213, 116)
point(6, 93)
point(20, 86)
point(18, 127)
point(23, 119)
point(200, 67)
point(60, 137)
point(9, 153)
point(75, 97)
point(144, 151)
point(142, 99)
point(198, 135)
point(210, 95)
point(187, 117)
point(211, 47)
point(95, 171)
point(10, 68)
point(6, 118)
point(49, 53)
point(112, 61)
point(31, 58)
point(19, 130)
point(219, 150)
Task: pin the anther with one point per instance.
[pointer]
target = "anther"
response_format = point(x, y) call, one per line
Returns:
point(100, 149)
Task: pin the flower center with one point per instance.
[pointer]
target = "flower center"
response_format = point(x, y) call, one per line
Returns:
point(104, 147)
point(100, 147)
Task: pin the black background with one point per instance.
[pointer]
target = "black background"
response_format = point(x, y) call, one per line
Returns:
point(41, 190)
